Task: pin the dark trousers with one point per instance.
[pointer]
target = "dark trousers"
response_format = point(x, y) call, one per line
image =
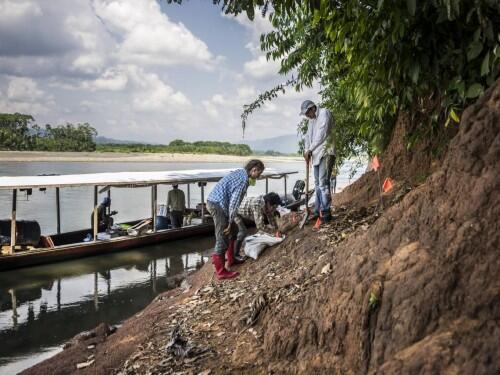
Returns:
point(176, 219)
point(220, 223)
point(242, 228)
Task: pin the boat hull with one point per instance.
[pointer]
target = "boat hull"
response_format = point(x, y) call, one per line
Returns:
point(85, 249)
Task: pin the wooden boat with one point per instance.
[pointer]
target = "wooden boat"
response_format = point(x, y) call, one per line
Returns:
point(65, 246)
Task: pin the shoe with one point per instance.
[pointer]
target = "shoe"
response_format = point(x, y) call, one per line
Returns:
point(326, 217)
point(220, 270)
point(231, 259)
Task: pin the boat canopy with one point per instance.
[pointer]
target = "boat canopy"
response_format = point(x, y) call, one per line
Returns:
point(123, 179)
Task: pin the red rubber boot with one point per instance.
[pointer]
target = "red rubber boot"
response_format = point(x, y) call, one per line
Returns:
point(220, 270)
point(231, 259)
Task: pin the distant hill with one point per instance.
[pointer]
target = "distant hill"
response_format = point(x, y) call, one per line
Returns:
point(100, 140)
point(285, 144)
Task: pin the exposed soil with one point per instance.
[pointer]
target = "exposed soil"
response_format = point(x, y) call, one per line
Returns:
point(413, 288)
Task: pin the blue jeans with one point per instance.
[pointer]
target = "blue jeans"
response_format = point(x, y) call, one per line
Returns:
point(322, 186)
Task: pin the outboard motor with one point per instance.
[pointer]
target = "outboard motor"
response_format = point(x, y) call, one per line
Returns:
point(28, 231)
point(298, 189)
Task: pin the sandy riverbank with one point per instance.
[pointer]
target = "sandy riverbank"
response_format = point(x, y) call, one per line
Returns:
point(37, 156)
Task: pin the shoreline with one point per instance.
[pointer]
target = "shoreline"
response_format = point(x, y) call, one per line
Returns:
point(42, 156)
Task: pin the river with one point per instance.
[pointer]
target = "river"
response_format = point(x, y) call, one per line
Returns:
point(43, 307)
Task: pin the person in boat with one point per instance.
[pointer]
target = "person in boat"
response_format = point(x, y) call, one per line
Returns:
point(104, 219)
point(320, 152)
point(176, 205)
point(222, 203)
point(262, 211)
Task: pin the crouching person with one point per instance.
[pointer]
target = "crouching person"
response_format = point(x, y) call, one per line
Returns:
point(222, 203)
point(258, 209)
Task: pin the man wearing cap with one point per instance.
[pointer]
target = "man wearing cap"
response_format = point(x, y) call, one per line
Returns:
point(320, 153)
point(258, 209)
point(222, 203)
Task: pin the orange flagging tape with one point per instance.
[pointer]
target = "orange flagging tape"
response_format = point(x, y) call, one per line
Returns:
point(318, 224)
point(387, 185)
point(375, 163)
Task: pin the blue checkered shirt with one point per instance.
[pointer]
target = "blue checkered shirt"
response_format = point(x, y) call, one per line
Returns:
point(229, 192)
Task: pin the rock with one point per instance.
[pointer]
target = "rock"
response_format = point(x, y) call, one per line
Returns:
point(326, 269)
point(85, 364)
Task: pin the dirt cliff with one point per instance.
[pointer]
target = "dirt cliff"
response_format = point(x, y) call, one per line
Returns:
point(414, 288)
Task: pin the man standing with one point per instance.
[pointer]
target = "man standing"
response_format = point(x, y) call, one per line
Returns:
point(222, 203)
point(320, 153)
point(176, 204)
point(257, 209)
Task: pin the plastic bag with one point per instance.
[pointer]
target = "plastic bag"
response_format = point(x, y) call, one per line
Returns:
point(256, 243)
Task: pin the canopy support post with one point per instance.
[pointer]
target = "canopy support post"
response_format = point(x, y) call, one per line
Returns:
point(109, 197)
point(189, 196)
point(202, 186)
point(267, 185)
point(13, 229)
point(154, 202)
point(284, 177)
point(58, 210)
point(96, 221)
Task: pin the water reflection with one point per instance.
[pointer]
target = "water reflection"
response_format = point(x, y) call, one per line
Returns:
point(43, 307)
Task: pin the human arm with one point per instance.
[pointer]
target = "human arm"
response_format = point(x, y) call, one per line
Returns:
point(236, 197)
point(322, 131)
point(169, 201)
point(183, 201)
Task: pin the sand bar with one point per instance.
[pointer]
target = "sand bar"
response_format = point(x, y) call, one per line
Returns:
point(34, 156)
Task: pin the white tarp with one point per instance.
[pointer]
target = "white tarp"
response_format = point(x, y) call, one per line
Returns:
point(126, 178)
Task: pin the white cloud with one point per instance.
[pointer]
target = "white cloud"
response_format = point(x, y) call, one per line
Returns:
point(260, 68)
point(18, 9)
point(113, 79)
point(24, 96)
point(149, 37)
point(24, 89)
point(153, 94)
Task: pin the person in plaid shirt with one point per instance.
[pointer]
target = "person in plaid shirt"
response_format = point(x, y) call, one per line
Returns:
point(257, 209)
point(222, 203)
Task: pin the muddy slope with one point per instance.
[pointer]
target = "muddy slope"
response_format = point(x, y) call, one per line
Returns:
point(432, 265)
point(413, 289)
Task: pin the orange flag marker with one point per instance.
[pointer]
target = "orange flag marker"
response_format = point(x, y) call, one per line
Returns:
point(387, 185)
point(375, 163)
point(318, 224)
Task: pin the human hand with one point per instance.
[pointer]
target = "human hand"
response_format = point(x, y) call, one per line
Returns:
point(307, 156)
point(227, 230)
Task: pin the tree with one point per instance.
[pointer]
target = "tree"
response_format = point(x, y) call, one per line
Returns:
point(15, 131)
point(375, 58)
point(19, 132)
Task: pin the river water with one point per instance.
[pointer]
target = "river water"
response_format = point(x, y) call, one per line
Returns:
point(42, 307)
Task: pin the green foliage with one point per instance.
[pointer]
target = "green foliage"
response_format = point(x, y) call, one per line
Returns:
point(262, 98)
point(19, 132)
point(373, 301)
point(180, 146)
point(15, 131)
point(375, 58)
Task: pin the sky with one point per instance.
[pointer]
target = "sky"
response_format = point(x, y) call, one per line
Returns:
point(141, 70)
